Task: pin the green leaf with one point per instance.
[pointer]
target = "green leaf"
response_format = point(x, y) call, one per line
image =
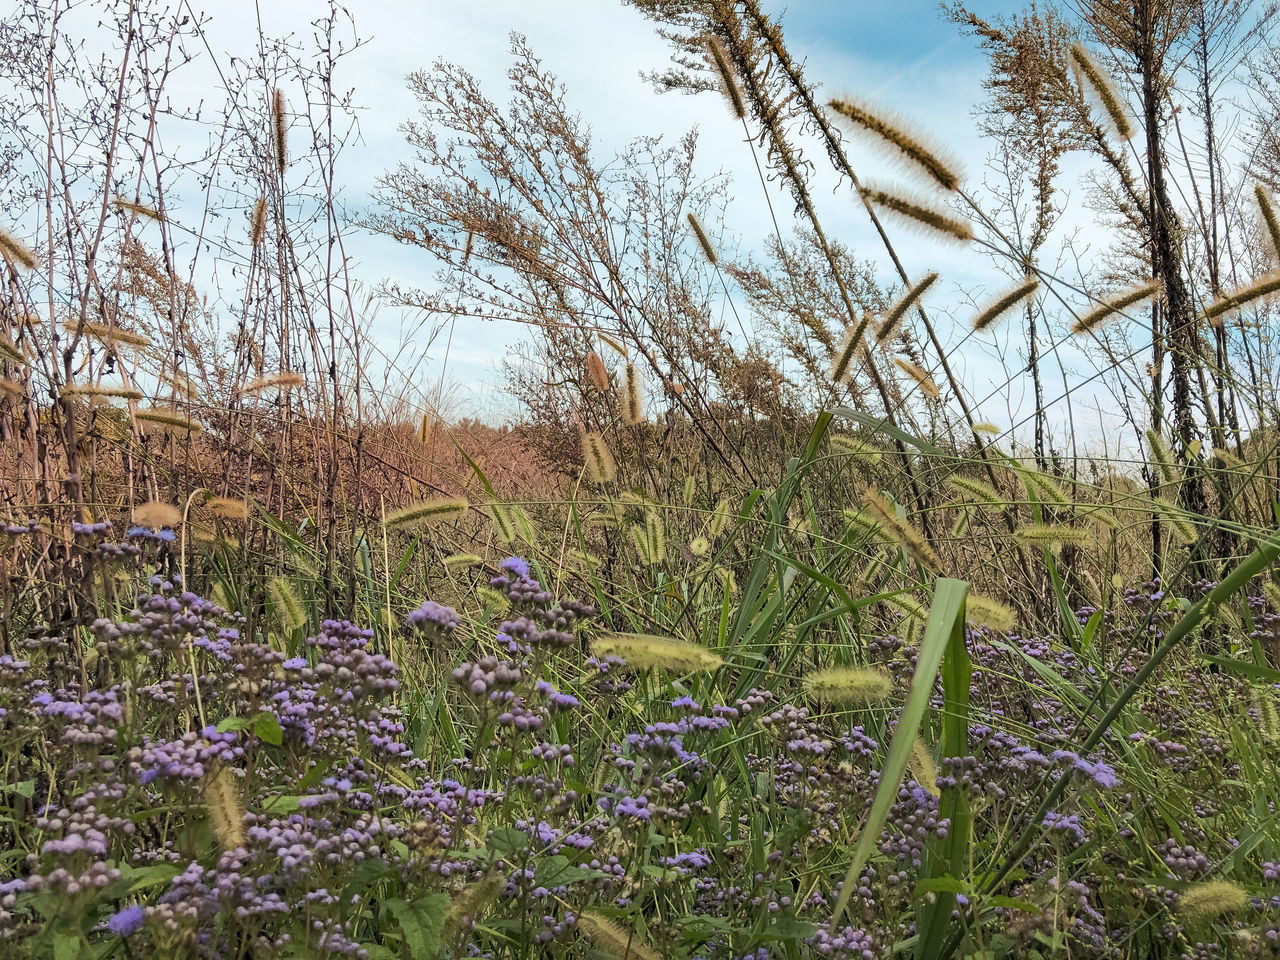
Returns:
point(66, 945)
point(1251, 670)
point(947, 611)
point(26, 788)
point(507, 841)
point(267, 728)
point(557, 871)
point(421, 922)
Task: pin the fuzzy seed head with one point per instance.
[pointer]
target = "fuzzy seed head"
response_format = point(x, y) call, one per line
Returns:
point(700, 546)
point(846, 446)
point(848, 685)
point(428, 512)
point(1004, 303)
point(228, 508)
point(258, 222)
point(169, 421)
point(728, 81)
point(894, 316)
point(1213, 899)
point(16, 252)
point(920, 375)
point(985, 612)
point(600, 464)
point(157, 515)
point(1095, 79)
point(462, 561)
point(632, 397)
point(226, 811)
point(284, 381)
point(1263, 289)
point(704, 241)
point(278, 128)
point(614, 345)
point(612, 939)
point(1115, 306)
point(286, 604)
point(907, 536)
point(109, 334)
point(644, 652)
point(138, 209)
point(846, 350)
point(919, 212)
point(596, 372)
point(103, 390)
point(922, 768)
point(906, 143)
point(1051, 535)
point(977, 489)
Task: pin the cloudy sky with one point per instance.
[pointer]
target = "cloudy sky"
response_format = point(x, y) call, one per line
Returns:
point(904, 55)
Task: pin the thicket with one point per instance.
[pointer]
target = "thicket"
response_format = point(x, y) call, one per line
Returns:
point(752, 638)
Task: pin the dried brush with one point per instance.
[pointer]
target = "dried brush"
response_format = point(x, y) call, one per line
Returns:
point(1004, 303)
point(902, 140)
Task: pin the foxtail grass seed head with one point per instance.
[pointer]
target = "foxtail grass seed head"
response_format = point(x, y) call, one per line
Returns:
point(922, 767)
point(848, 685)
point(286, 604)
point(915, 211)
point(16, 252)
point(632, 397)
point(905, 142)
point(1094, 78)
point(846, 446)
point(699, 546)
point(1045, 487)
point(1269, 219)
point(1162, 458)
point(704, 241)
point(1184, 531)
point(961, 526)
point(470, 904)
point(655, 531)
point(690, 489)
point(979, 490)
point(1265, 288)
point(596, 372)
point(612, 940)
point(1115, 306)
point(987, 428)
point(12, 388)
point(908, 606)
point(644, 652)
point(109, 334)
point(614, 345)
point(985, 612)
point(425, 428)
point(427, 512)
point(894, 316)
point(228, 508)
point(1263, 700)
point(728, 80)
point(1002, 304)
point(138, 209)
point(908, 537)
point(278, 128)
point(720, 518)
point(846, 350)
point(502, 524)
point(10, 352)
point(600, 464)
point(258, 222)
point(1213, 899)
point(920, 375)
point(1051, 535)
point(103, 390)
point(157, 515)
point(168, 421)
point(226, 811)
point(284, 381)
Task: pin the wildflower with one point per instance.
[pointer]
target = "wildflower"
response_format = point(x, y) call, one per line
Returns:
point(126, 922)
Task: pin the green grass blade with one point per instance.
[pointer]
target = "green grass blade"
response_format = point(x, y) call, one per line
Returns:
point(946, 612)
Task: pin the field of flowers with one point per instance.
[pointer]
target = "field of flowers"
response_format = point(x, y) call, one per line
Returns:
point(176, 786)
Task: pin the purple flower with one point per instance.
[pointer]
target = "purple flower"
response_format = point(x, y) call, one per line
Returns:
point(432, 615)
point(126, 922)
point(515, 565)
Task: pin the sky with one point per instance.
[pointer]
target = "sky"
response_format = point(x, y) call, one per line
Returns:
point(903, 55)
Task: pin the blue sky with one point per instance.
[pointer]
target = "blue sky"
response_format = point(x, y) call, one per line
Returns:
point(904, 55)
